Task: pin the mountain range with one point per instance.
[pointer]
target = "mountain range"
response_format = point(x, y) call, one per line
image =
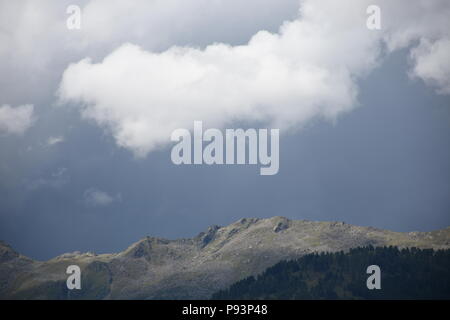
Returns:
point(194, 268)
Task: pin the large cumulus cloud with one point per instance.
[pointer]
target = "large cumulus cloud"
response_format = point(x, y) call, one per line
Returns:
point(139, 88)
point(36, 46)
point(309, 68)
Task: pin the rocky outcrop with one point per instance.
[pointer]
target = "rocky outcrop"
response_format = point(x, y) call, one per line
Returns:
point(6, 252)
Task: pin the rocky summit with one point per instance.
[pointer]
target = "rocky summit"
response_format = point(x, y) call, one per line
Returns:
point(155, 268)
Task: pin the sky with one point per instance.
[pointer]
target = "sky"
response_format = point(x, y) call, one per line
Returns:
point(86, 117)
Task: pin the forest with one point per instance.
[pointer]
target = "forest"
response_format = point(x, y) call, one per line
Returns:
point(408, 273)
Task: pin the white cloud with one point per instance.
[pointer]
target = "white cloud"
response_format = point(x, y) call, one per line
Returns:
point(54, 140)
point(432, 64)
point(16, 120)
point(286, 79)
point(36, 46)
point(98, 198)
point(308, 69)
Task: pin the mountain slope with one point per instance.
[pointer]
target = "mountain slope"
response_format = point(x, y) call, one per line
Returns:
point(405, 274)
point(155, 268)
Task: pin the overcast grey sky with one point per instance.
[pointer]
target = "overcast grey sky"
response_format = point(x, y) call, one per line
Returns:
point(364, 117)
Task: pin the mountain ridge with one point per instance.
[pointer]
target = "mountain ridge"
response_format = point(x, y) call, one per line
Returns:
point(194, 268)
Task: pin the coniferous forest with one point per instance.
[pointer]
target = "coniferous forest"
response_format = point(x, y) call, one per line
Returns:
point(409, 273)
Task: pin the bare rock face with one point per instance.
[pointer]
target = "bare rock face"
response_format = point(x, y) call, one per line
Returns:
point(155, 268)
point(206, 237)
point(281, 225)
